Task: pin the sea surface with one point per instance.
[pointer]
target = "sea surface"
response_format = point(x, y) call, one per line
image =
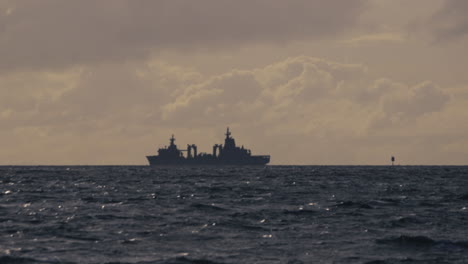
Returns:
point(275, 214)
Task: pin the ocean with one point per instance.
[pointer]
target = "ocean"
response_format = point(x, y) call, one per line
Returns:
point(203, 215)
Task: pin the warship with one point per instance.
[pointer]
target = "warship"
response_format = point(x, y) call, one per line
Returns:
point(227, 154)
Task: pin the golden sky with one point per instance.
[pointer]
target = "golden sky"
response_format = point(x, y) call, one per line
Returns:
point(95, 82)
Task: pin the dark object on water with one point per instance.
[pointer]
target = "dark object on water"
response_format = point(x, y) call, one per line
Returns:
point(229, 154)
point(393, 160)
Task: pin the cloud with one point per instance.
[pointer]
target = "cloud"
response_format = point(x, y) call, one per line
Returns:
point(285, 92)
point(100, 94)
point(420, 99)
point(56, 34)
point(376, 39)
point(24, 95)
point(450, 22)
point(319, 108)
point(400, 103)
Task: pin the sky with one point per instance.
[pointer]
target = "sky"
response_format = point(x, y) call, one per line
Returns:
point(309, 82)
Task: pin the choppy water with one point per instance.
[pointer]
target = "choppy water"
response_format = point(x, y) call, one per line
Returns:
point(234, 215)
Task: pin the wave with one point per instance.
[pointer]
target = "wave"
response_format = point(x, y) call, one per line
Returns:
point(403, 260)
point(421, 241)
point(353, 205)
point(207, 207)
point(300, 212)
point(31, 171)
point(387, 202)
point(185, 260)
point(245, 225)
point(21, 260)
point(404, 221)
point(16, 260)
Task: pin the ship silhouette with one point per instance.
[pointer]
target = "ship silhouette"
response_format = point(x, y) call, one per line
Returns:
point(227, 154)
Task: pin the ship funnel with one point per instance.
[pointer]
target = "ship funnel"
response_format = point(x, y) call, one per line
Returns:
point(189, 151)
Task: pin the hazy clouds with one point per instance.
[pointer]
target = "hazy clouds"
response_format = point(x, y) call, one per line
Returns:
point(301, 97)
point(451, 20)
point(55, 33)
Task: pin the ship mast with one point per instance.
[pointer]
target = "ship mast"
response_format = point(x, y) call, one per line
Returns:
point(228, 133)
point(172, 140)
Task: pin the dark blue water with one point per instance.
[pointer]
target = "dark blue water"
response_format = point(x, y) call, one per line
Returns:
point(234, 215)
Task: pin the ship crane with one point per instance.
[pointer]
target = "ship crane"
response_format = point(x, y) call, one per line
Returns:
point(189, 151)
point(215, 149)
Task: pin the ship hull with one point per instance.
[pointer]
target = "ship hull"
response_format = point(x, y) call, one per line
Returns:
point(209, 161)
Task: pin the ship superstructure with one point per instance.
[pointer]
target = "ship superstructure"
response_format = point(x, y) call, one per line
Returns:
point(227, 154)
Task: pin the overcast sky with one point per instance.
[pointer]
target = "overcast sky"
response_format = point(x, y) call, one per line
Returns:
point(306, 81)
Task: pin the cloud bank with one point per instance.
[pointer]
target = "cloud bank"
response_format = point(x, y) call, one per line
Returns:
point(318, 107)
point(56, 34)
